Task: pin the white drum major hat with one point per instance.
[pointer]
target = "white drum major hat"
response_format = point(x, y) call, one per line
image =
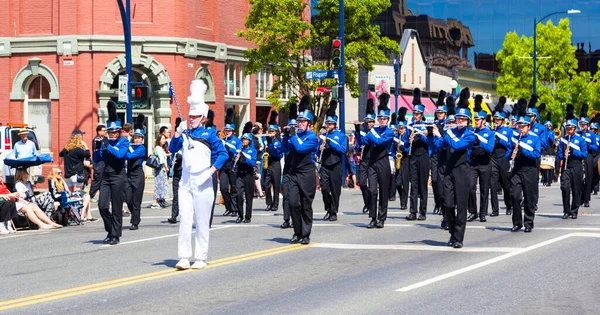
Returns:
point(196, 99)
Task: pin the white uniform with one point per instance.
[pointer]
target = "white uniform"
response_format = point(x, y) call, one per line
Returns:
point(196, 197)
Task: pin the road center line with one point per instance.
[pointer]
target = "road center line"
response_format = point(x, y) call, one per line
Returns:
point(493, 260)
point(417, 247)
point(101, 286)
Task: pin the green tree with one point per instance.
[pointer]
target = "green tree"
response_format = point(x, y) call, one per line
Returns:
point(284, 40)
point(557, 80)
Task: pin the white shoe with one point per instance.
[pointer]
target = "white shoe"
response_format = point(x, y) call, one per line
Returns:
point(183, 264)
point(199, 264)
point(10, 227)
point(155, 206)
point(3, 229)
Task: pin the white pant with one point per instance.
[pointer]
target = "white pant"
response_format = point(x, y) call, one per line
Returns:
point(195, 204)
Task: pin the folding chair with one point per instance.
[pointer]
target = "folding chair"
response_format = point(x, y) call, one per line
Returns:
point(72, 206)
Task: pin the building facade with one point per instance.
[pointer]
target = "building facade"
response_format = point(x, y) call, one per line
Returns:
point(60, 62)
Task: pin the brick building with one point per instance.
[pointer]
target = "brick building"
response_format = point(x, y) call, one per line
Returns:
point(60, 61)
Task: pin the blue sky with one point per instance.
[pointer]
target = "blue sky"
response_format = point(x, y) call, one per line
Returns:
point(490, 20)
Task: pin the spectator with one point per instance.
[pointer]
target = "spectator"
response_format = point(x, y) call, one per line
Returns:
point(127, 131)
point(161, 183)
point(56, 184)
point(8, 210)
point(24, 148)
point(44, 200)
point(74, 154)
point(98, 167)
point(165, 131)
point(30, 210)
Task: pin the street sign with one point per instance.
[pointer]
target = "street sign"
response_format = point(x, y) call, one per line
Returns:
point(321, 74)
point(323, 90)
point(123, 80)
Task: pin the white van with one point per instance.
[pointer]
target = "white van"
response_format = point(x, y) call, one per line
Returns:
point(9, 135)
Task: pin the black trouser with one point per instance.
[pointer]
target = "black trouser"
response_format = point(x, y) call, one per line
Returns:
point(272, 178)
point(228, 185)
point(524, 184)
point(363, 181)
point(571, 181)
point(392, 193)
point(285, 182)
point(175, 203)
point(245, 190)
point(589, 175)
point(499, 178)
point(135, 192)
point(483, 172)
point(330, 179)
point(111, 191)
point(379, 174)
point(547, 176)
point(419, 175)
point(97, 179)
point(303, 186)
point(436, 181)
point(456, 194)
point(402, 180)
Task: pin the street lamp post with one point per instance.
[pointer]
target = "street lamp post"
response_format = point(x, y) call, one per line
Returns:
point(453, 86)
point(535, 23)
point(397, 66)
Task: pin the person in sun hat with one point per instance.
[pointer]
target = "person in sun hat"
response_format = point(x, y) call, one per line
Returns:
point(24, 148)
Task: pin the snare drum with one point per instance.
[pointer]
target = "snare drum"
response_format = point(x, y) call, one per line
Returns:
point(547, 162)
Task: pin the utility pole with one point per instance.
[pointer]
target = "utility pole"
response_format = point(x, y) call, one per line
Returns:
point(341, 71)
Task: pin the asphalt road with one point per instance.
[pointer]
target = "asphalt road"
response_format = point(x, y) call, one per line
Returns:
point(404, 268)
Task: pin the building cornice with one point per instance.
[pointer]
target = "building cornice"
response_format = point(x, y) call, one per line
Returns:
point(76, 44)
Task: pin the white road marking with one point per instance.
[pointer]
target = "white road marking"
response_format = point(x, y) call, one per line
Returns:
point(22, 233)
point(493, 260)
point(418, 247)
point(164, 236)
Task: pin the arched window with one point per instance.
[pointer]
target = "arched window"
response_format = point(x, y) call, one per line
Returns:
point(38, 112)
point(39, 89)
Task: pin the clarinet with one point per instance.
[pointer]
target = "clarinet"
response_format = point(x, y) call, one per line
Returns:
point(512, 160)
point(567, 149)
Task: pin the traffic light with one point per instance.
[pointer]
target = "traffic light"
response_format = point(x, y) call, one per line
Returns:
point(337, 52)
point(141, 94)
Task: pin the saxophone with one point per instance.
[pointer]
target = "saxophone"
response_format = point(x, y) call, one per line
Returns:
point(266, 160)
point(513, 155)
point(398, 155)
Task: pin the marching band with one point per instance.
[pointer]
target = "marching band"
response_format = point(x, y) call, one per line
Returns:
point(460, 151)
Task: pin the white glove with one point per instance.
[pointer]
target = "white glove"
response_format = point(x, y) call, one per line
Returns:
point(322, 137)
point(205, 176)
point(182, 127)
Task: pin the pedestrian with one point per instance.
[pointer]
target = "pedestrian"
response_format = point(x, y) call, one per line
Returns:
point(480, 162)
point(499, 179)
point(572, 151)
point(24, 148)
point(379, 171)
point(227, 175)
point(457, 141)
point(287, 165)
point(196, 196)
point(244, 166)
point(303, 183)
point(332, 152)
point(98, 168)
point(364, 146)
point(74, 155)
point(273, 164)
point(136, 178)
point(161, 182)
point(114, 178)
point(524, 153)
point(419, 161)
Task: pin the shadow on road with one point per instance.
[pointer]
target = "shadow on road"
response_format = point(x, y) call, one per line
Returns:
point(167, 262)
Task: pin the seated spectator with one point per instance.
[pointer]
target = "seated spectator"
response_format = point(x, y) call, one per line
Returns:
point(23, 186)
point(8, 210)
point(56, 184)
point(29, 209)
